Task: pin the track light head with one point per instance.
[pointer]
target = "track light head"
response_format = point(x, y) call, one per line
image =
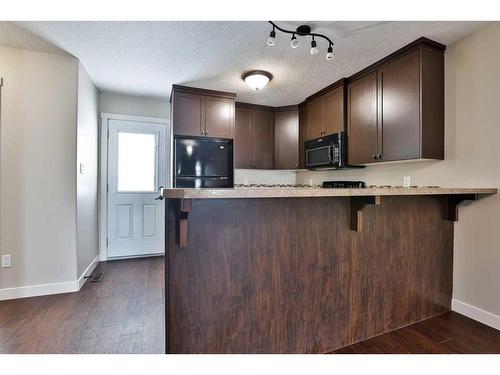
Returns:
point(314, 48)
point(271, 41)
point(329, 54)
point(294, 42)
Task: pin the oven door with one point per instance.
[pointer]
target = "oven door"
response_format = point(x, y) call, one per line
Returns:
point(319, 157)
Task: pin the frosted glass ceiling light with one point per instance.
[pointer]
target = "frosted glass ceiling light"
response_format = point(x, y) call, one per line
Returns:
point(257, 79)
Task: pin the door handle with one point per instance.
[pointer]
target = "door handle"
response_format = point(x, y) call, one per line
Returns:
point(160, 197)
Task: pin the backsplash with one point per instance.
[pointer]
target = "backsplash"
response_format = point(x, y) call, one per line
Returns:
point(261, 176)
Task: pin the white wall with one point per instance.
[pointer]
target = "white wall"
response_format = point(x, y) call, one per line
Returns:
point(133, 105)
point(87, 154)
point(37, 174)
point(472, 159)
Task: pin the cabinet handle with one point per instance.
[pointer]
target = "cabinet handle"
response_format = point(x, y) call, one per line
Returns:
point(379, 156)
point(206, 132)
point(374, 156)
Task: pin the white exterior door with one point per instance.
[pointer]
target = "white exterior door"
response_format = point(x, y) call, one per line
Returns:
point(136, 174)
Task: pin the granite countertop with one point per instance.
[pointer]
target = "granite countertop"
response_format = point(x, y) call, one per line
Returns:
point(306, 192)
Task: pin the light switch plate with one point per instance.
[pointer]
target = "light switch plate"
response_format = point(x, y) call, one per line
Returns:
point(82, 168)
point(6, 260)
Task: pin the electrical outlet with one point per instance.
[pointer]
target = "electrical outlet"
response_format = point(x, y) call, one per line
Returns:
point(6, 260)
point(406, 181)
point(245, 181)
point(310, 182)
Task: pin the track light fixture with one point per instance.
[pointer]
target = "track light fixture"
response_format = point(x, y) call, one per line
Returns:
point(302, 30)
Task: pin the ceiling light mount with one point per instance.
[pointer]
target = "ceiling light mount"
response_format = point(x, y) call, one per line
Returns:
point(303, 31)
point(257, 79)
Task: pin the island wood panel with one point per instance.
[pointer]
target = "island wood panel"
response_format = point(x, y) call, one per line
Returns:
point(288, 276)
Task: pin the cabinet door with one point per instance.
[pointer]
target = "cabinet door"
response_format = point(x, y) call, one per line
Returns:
point(362, 119)
point(263, 138)
point(243, 139)
point(315, 113)
point(399, 108)
point(219, 117)
point(286, 135)
point(302, 135)
point(334, 111)
point(188, 114)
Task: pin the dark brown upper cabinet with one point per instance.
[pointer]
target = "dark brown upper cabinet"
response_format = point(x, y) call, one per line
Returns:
point(286, 135)
point(326, 111)
point(199, 112)
point(362, 119)
point(302, 134)
point(243, 139)
point(396, 106)
point(254, 137)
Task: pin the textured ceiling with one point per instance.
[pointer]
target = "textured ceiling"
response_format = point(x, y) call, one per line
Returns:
point(146, 58)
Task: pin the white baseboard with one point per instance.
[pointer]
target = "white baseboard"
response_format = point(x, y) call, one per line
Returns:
point(38, 290)
point(88, 271)
point(46, 289)
point(476, 313)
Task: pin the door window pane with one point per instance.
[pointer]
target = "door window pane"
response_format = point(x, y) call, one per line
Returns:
point(136, 162)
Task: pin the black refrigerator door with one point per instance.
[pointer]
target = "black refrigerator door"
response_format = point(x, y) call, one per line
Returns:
point(203, 157)
point(204, 182)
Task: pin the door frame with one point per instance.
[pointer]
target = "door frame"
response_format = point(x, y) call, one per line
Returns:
point(103, 170)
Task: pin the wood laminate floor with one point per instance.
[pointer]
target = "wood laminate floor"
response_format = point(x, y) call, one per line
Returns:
point(450, 333)
point(124, 313)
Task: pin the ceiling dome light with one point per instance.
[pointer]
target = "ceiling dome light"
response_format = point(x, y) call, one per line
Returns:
point(314, 49)
point(329, 54)
point(270, 41)
point(295, 42)
point(257, 79)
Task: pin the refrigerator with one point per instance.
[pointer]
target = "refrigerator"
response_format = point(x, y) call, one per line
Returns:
point(202, 162)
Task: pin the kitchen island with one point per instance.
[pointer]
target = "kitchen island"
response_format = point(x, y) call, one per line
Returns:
point(303, 270)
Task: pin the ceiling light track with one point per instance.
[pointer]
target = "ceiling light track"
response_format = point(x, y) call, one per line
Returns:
point(303, 31)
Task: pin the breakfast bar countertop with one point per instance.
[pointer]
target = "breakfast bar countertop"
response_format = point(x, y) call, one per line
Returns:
point(311, 192)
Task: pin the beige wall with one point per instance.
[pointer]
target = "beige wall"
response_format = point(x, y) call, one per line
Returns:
point(37, 173)
point(86, 188)
point(472, 158)
point(133, 105)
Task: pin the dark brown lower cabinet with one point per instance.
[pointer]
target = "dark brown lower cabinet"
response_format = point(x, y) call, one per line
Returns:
point(286, 143)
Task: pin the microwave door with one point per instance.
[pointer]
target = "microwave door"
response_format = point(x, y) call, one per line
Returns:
point(319, 157)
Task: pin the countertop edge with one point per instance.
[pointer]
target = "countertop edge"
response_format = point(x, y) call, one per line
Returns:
point(255, 193)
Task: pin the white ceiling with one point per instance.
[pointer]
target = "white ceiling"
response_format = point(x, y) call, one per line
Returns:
point(146, 58)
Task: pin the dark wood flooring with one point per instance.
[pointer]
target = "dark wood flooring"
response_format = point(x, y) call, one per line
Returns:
point(124, 314)
point(450, 333)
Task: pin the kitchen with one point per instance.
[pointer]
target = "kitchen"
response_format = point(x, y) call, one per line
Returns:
point(242, 256)
point(249, 187)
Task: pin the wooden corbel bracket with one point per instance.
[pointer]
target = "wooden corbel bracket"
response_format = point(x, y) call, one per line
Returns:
point(185, 206)
point(357, 205)
point(453, 202)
